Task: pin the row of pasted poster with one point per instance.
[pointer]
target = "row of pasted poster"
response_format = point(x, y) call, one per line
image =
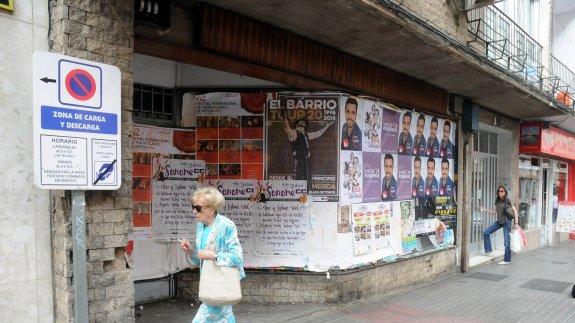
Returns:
point(272, 234)
point(287, 137)
point(377, 153)
point(273, 220)
point(163, 160)
point(161, 167)
point(277, 233)
point(373, 126)
point(164, 177)
point(371, 177)
point(389, 154)
point(276, 136)
point(392, 226)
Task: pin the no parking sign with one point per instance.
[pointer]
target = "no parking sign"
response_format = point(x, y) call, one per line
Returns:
point(77, 135)
point(79, 84)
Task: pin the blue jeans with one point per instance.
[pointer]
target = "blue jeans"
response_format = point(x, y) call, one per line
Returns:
point(506, 237)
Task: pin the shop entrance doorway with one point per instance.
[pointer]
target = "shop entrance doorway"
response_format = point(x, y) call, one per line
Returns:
point(554, 191)
point(484, 190)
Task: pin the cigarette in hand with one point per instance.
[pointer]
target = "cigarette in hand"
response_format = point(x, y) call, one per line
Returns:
point(180, 240)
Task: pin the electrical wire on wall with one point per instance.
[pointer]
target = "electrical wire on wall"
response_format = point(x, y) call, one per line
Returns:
point(118, 17)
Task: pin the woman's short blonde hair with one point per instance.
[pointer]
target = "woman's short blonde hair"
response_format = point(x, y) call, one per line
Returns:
point(211, 196)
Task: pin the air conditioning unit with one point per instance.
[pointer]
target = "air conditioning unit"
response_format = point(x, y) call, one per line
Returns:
point(475, 4)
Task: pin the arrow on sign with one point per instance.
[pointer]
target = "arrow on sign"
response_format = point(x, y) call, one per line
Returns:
point(47, 80)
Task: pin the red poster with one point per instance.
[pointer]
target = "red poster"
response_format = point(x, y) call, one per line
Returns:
point(252, 127)
point(230, 127)
point(142, 215)
point(530, 141)
point(185, 141)
point(230, 132)
point(229, 151)
point(141, 164)
point(252, 151)
point(207, 128)
point(207, 151)
point(212, 171)
point(141, 189)
point(253, 171)
point(230, 171)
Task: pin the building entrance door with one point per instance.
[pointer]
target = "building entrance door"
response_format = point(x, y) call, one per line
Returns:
point(484, 190)
point(554, 191)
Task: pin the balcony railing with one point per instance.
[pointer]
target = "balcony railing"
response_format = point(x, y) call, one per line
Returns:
point(506, 44)
point(565, 75)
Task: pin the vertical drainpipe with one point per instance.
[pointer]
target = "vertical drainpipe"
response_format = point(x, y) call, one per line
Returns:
point(464, 213)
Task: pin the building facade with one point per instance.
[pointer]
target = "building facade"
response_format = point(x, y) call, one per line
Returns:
point(482, 70)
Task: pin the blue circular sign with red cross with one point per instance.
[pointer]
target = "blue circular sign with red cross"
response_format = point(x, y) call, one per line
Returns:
point(80, 84)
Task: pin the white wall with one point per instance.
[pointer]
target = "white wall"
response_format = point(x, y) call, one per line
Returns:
point(25, 249)
point(160, 72)
point(564, 38)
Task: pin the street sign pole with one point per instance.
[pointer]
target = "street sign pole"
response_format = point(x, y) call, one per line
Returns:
point(79, 256)
point(77, 141)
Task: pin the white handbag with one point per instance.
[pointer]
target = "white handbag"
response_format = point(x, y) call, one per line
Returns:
point(219, 285)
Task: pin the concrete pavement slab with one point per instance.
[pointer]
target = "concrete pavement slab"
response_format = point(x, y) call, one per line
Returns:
point(487, 293)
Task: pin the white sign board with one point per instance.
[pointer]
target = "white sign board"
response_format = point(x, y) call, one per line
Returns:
point(77, 118)
point(566, 216)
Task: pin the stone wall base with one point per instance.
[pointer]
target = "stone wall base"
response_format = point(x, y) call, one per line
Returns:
point(341, 286)
point(533, 239)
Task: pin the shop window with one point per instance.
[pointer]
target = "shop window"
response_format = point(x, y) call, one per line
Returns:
point(476, 141)
point(493, 143)
point(528, 194)
point(560, 186)
point(154, 104)
point(485, 142)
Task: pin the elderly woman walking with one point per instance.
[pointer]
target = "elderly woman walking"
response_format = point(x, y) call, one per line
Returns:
point(217, 240)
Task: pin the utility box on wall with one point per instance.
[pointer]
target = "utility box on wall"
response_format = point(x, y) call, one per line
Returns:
point(470, 119)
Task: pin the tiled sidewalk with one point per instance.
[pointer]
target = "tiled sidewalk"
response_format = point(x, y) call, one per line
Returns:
point(535, 287)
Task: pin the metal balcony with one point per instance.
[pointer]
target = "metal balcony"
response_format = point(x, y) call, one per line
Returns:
point(507, 45)
point(565, 82)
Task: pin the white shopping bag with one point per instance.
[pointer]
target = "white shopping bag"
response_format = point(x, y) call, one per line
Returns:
point(516, 241)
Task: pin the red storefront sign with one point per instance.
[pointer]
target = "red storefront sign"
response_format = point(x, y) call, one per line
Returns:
point(557, 142)
point(550, 141)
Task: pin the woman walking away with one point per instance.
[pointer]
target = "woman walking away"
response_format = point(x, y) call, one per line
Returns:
point(506, 212)
point(217, 240)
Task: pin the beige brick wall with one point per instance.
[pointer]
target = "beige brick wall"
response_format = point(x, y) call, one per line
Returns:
point(344, 286)
point(100, 31)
